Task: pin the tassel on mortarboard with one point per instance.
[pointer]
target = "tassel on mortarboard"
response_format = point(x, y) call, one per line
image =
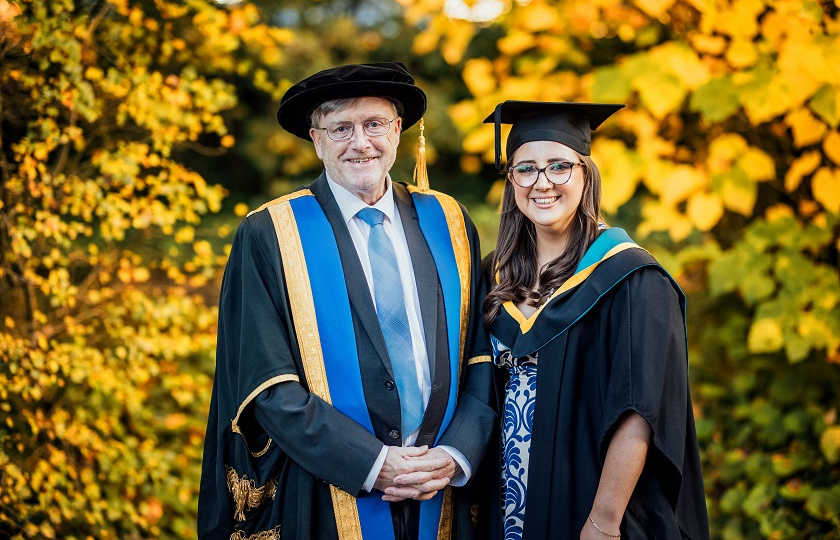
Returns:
point(421, 174)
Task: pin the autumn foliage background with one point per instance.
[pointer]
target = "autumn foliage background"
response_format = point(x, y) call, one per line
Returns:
point(134, 134)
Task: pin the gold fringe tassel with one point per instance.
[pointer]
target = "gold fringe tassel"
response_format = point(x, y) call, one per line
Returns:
point(246, 494)
point(421, 175)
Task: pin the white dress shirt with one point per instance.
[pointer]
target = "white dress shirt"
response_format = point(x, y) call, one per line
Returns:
point(349, 205)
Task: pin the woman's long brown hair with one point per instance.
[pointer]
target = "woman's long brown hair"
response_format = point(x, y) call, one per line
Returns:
point(515, 259)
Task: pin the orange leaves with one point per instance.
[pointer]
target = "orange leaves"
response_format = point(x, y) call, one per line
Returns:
point(92, 184)
point(621, 169)
point(655, 8)
point(825, 186)
point(479, 76)
point(807, 130)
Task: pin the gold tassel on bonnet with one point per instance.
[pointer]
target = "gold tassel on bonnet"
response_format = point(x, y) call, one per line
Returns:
point(421, 174)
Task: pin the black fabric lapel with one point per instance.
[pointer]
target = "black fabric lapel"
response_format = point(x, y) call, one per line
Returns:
point(425, 271)
point(432, 312)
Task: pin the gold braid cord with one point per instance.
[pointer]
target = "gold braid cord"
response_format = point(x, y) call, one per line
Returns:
point(272, 534)
point(246, 494)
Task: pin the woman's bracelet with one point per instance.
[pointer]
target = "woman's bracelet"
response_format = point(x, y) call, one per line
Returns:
point(602, 531)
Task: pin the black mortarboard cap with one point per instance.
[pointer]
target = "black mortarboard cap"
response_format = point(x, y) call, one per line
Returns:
point(564, 122)
point(383, 79)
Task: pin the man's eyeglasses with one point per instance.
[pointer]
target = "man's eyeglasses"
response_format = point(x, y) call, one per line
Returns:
point(373, 127)
point(558, 173)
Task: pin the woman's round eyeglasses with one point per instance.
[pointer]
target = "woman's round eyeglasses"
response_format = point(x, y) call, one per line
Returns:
point(558, 173)
point(373, 127)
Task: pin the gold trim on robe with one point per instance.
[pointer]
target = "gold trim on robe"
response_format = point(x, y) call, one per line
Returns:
point(479, 360)
point(526, 323)
point(303, 313)
point(234, 424)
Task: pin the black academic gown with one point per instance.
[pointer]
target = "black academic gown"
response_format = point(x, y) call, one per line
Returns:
point(614, 344)
point(292, 443)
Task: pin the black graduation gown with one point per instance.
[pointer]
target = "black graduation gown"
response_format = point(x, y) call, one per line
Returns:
point(287, 455)
point(613, 344)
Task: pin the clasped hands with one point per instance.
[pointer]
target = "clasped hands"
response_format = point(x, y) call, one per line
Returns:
point(415, 473)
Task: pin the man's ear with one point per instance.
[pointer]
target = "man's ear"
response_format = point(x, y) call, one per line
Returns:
point(316, 135)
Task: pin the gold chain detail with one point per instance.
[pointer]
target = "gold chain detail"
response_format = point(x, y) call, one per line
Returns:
point(273, 534)
point(246, 494)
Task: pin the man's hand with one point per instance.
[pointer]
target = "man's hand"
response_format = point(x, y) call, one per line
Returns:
point(398, 461)
point(428, 473)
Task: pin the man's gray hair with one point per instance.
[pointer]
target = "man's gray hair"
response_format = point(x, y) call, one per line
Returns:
point(343, 103)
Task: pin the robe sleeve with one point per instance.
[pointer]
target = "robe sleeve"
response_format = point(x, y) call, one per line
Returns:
point(648, 371)
point(475, 416)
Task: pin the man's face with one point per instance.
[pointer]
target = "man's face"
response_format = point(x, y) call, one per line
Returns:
point(359, 164)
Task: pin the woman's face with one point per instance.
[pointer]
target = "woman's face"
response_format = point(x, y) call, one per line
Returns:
point(551, 208)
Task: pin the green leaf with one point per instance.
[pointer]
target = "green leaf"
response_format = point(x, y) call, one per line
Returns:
point(826, 104)
point(824, 504)
point(611, 85)
point(716, 100)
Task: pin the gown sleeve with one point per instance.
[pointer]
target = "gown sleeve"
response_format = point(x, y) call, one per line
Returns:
point(648, 370)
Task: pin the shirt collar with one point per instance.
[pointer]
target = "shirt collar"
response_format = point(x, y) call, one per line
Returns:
point(350, 205)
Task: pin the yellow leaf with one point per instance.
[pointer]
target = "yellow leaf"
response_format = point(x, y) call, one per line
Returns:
point(806, 128)
point(739, 194)
point(479, 140)
point(741, 53)
point(679, 60)
point(203, 248)
point(10, 322)
point(739, 20)
point(185, 235)
point(124, 275)
point(777, 212)
point(654, 8)
point(478, 76)
point(830, 444)
point(831, 146)
point(704, 210)
point(241, 209)
point(426, 41)
point(660, 217)
point(801, 167)
point(227, 141)
point(515, 42)
point(538, 17)
point(620, 172)
point(724, 150)
point(826, 189)
point(470, 164)
point(140, 275)
point(680, 183)
point(765, 336)
point(773, 27)
point(458, 36)
point(758, 165)
point(704, 43)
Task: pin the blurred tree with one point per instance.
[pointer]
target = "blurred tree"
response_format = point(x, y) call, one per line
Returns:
point(106, 344)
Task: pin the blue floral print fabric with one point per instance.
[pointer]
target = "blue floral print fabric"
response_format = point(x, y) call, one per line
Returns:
point(517, 423)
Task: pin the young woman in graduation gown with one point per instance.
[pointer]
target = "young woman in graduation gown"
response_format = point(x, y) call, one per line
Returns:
point(588, 332)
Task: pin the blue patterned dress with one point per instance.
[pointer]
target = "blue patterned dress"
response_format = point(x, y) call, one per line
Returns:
point(520, 397)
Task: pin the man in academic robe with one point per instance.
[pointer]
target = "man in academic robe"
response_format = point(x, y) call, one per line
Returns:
point(352, 391)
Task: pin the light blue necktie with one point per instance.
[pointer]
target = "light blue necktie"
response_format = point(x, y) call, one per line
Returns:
point(390, 308)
